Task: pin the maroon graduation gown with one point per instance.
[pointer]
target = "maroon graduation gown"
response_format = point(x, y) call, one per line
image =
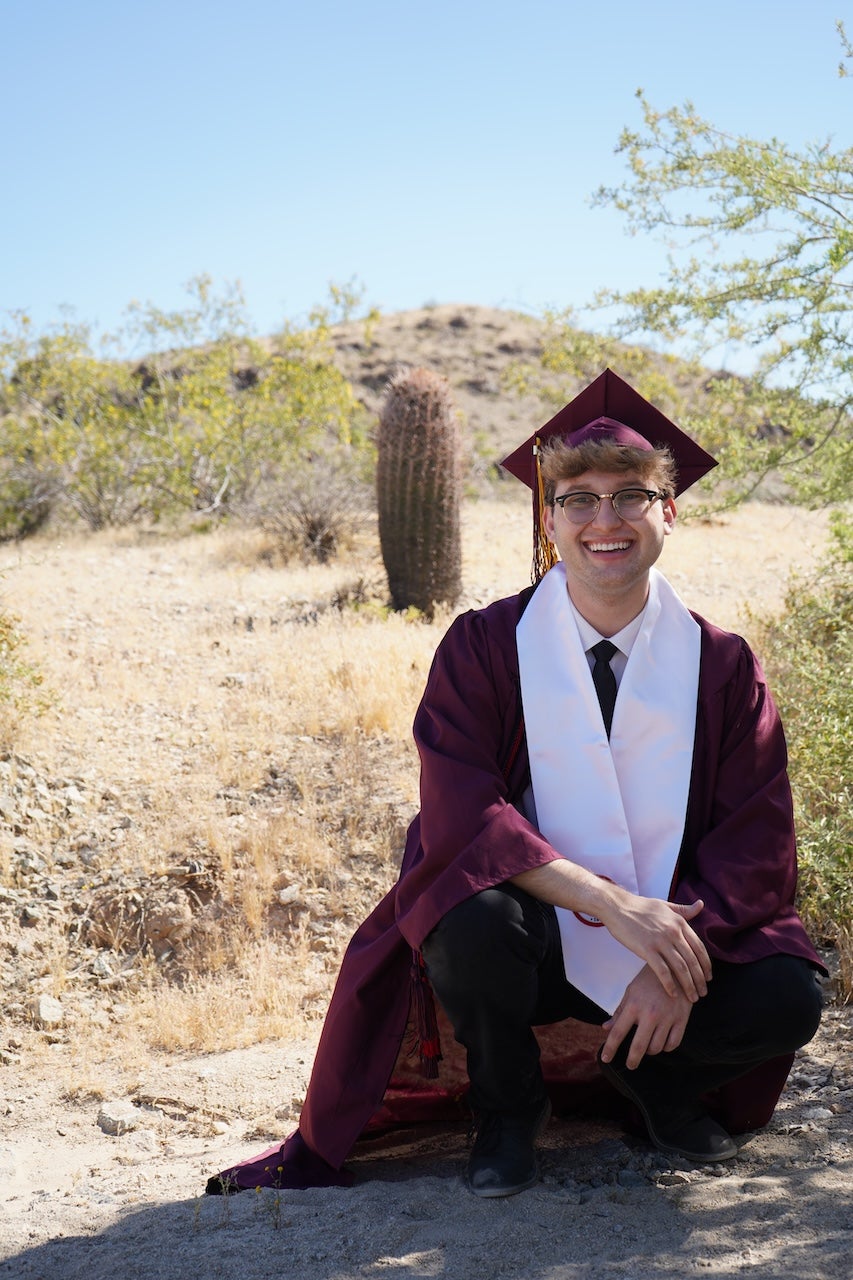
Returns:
point(738, 854)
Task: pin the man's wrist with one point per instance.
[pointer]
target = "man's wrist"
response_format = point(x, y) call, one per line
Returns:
point(607, 898)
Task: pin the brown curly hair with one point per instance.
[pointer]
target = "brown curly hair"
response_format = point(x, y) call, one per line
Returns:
point(562, 461)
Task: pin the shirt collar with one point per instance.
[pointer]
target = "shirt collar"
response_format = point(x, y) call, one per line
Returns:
point(623, 640)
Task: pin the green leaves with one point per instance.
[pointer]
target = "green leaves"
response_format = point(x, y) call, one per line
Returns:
point(761, 261)
point(196, 422)
point(808, 652)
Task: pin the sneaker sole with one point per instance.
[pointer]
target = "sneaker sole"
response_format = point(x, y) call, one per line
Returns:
point(498, 1193)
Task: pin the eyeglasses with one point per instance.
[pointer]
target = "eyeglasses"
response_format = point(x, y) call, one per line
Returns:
point(629, 504)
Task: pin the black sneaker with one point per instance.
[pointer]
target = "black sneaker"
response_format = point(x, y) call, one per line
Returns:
point(502, 1160)
point(683, 1130)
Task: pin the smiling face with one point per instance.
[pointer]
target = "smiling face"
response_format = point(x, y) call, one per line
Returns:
point(608, 559)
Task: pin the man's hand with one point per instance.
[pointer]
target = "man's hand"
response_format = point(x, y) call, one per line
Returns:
point(656, 931)
point(659, 1019)
point(659, 933)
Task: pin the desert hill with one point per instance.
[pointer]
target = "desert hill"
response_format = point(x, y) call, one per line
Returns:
point(473, 347)
point(493, 360)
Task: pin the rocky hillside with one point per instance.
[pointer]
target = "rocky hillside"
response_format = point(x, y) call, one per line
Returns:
point(475, 348)
point(480, 350)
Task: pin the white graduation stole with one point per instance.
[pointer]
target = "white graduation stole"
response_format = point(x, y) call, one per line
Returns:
point(616, 807)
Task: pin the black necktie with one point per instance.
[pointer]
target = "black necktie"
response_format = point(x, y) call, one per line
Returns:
point(604, 680)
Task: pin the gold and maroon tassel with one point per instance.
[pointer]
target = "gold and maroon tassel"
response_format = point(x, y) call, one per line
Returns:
point(427, 1043)
point(544, 551)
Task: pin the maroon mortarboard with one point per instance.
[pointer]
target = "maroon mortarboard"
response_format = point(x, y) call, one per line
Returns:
point(610, 397)
point(608, 409)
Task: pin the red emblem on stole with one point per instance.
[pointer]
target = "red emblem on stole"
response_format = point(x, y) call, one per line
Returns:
point(592, 922)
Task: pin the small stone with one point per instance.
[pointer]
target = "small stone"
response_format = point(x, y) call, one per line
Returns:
point(145, 1140)
point(116, 1118)
point(291, 894)
point(630, 1178)
point(818, 1113)
point(673, 1179)
point(47, 1012)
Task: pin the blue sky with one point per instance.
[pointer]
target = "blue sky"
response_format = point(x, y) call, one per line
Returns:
point(444, 152)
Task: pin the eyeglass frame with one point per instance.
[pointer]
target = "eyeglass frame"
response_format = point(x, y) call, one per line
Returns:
point(653, 495)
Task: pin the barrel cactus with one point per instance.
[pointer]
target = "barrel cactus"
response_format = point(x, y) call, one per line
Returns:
point(419, 489)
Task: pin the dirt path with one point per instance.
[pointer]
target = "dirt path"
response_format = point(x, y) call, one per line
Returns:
point(79, 1204)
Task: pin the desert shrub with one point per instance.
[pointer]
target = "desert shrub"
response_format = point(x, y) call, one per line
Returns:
point(27, 496)
point(21, 690)
point(227, 417)
point(808, 653)
point(315, 508)
point(69, 428)
point(199, 423)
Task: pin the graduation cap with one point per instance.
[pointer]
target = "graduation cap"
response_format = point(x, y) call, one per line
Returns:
point(608, 409)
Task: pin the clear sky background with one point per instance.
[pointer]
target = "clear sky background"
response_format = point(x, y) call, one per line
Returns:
point(443, 152)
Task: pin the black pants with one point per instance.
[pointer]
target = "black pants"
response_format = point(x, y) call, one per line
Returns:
point(496, 965)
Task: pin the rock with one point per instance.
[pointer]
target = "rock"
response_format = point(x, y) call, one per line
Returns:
point(101, 967)
point(47, 1012)
point(116, 1118)
point(292, 894)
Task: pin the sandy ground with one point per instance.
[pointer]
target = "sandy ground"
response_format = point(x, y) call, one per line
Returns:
point(79, 1203)
point(76, 1201)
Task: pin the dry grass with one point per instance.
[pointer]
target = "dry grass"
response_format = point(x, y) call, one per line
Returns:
point(243, 747)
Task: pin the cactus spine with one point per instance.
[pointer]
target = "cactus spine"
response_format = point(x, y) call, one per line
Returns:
point(418, 489)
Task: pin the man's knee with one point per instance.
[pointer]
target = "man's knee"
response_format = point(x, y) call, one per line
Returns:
point(474, 934)
point(773, 1005)
point(469, 927)
point(802, 1000)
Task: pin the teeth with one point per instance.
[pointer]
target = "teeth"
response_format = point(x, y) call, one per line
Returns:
point(608, 546)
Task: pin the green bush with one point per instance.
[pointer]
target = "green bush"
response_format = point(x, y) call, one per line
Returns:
point(21, 690)
point(201, 423)
point(808, 654)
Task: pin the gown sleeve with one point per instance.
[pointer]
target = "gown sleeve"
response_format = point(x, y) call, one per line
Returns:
point(739, 851)
point(469, 834)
